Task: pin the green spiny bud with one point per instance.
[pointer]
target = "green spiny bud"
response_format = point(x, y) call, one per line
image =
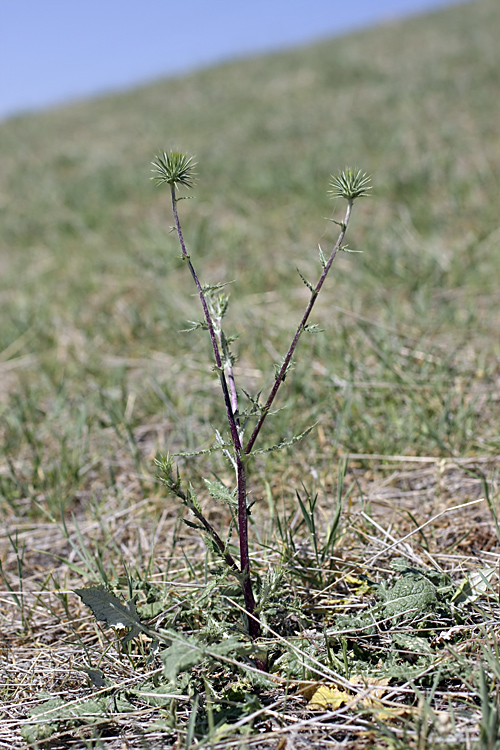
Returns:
point(175, 169)
point(349, 184)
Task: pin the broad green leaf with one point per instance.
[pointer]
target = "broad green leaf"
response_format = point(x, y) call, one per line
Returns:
point(96, 676)
point(108, 608)
point(413, 643)
point(411, 592)
point(181, 656)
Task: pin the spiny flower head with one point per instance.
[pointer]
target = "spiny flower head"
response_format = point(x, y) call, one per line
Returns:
point(175, 169)
point(350, 184)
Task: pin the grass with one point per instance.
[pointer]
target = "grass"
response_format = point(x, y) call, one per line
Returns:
point(405, 388)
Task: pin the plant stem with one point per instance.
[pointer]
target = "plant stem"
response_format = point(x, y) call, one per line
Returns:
point(246, 582)
point(231, 405)
point(228, 368)
point(228, 558)
point(218, 361)
point(286, 363)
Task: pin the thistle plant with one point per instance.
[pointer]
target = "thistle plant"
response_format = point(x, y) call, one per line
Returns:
point(178, 170)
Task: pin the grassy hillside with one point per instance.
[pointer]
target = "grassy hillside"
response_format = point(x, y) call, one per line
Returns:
point(89, 272)
point(96, 375)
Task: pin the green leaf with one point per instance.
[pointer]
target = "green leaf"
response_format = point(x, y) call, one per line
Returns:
point(49, 716)
point(306, 282)
point(193, 525)
point(411, 592)
point(188, 652)
point(96, 676)
point(108, 608)
point(220, 492)
point(313, 328)
point(322, 258)
point(181, 656)
point(413, 643)
point(160, 696)
point(286, 443)
point(346, 249)
point(194, 325)
point(474, 586)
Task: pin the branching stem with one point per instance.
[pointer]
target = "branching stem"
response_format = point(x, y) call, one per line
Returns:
point(246, 583)
point(175, 168)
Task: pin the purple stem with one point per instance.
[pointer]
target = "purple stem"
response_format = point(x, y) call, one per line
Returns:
point(246, 583)
point(218, 361)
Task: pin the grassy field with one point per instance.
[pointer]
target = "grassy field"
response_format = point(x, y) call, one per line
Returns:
point(379, 590)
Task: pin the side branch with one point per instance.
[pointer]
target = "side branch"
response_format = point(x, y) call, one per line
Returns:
point(286, 363)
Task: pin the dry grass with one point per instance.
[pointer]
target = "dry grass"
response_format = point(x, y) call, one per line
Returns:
point(431, 512)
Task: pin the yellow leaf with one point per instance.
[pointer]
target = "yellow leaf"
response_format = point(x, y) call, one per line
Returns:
point(387, 715)
point(328, 697)
point(361, 586)
point(375, 689)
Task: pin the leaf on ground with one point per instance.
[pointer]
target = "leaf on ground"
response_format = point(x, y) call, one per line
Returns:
point(411, 592)
point(474, 586)
point(375, 687)
point(160, 696)
point(361, 585)
point(189, 652)
point(386, 715)
point(321, 697)
point(412, 643)
point(181, 656)
point(96, 676)
point(48, 716)
point(108, 608)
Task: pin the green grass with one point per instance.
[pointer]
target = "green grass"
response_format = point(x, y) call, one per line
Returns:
point(96, 378)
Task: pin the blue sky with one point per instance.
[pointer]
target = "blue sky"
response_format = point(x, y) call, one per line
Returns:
point(55, 51)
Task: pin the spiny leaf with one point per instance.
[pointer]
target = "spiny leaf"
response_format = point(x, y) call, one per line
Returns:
point(210, 288)
point(322, 258)
point(286, 443)
point(347, 249)
point(306, 282)
point(313, 328)
point(193, 525)
point(203, 452)
point(194, 326)
point(340, 224)
point(220, 492)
